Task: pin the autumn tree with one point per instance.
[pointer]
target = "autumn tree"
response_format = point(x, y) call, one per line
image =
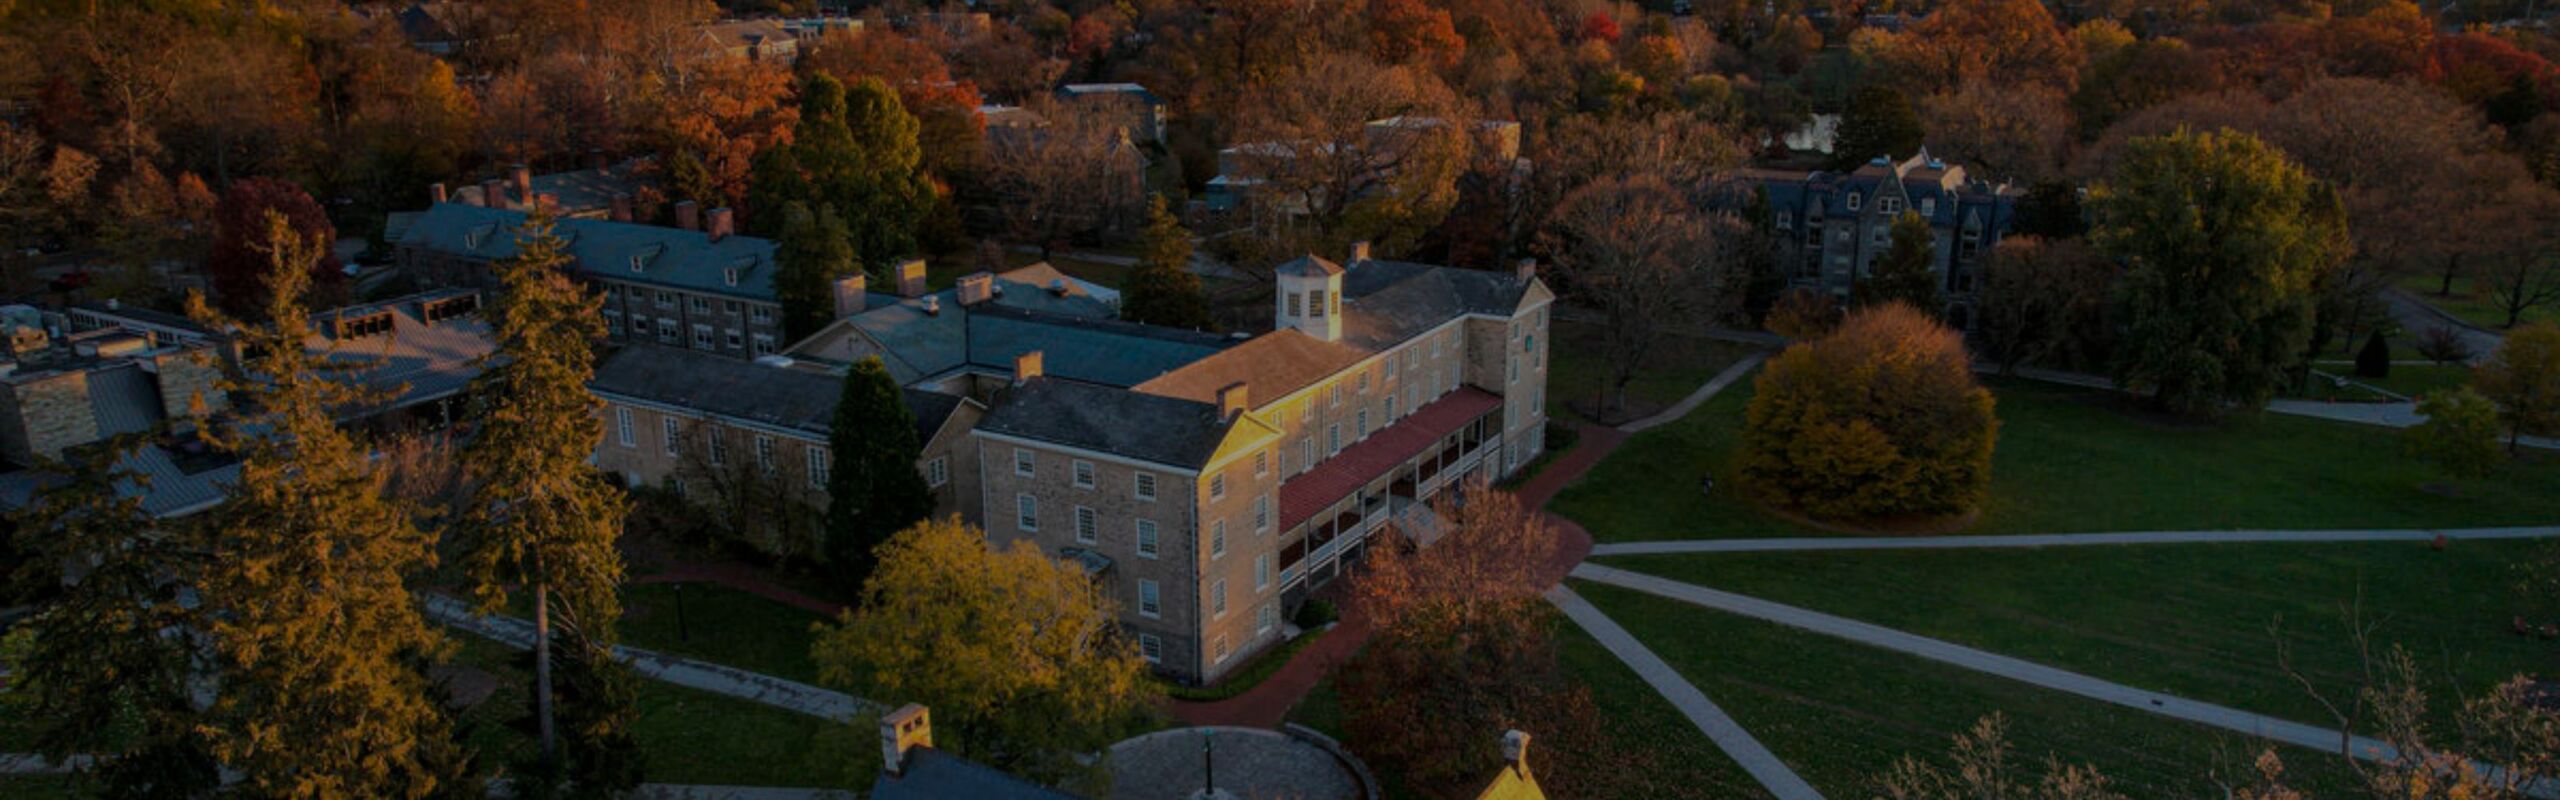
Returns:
point(1413, 32)
point(2043, 301)
point(2225, 242)
point(816, 250)
point(1882, 418)
point(539, 517)
point(1804, 313)
point(1979, 766)
point(1163, 290)
point(2137, 76)
point(2523, 376)
point(1017, 654)
point(1648, 260)
point(853, 149)
point(2460, 434)
point(2520, 271)
point(2013, 133)
point(2009, 41)
point(1310, 140)
point(107, 665)
point(313, 629)
point(873, 487)
point(1076, 175)
point(1908, 272)
point(243, 249)
point(725, 112)
point(1879, 122)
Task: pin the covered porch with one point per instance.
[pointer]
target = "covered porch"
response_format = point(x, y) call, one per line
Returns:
point(1329, 513)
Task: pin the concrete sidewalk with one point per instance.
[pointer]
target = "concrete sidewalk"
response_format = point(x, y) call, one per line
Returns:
point(1719, 727)
point(2061, 540)
point(1708, 390)
point(780, 693)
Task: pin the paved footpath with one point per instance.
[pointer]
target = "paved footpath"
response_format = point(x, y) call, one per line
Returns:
point(784, 694)
point(1728, 735)
point(2060, 540)
point(1699, 397)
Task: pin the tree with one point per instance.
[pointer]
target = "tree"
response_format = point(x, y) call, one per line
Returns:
point(2374, 361)
point(241, 247)
point(873, 488)
point(2444, 345)
point(1412, 31)
point(2225, 243)
point(2013, 133)
point(1017, 654)
point(853, 149)
point(1908, 272)
point(2044, 302)
point(1163, 290)
point(2523, 376)
point(2050, 210)
point(539, 516)
point(816, 250)
point(1802, 314)
point(2521, 269)
point(2011, 41)
point(107, 664)
point(1981, 769)
point(1640, 252)
point(1881, 418)
point(2460, 435)
point(313, 629)
point(1076, 175)
point(2137, 76)
point(1310, 140)
point(1879, 122)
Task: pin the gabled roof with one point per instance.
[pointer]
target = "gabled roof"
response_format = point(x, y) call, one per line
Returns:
point(414, 362)
point(1308, 266)
point(1152, 428)
point(721, 386)
point(670, 257)
point(1108, 352)
point(575, 190)
point(172, 490)
point(1271, 366)
point(1387, 302)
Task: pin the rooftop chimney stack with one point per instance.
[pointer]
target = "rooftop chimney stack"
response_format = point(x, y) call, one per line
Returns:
point(621, 207)
point(911, 278)
point(1515, 751)
point(688, 215)
point(523, 176)
point(546, 202)
point(1232, 401)
point(722, 223)
point(1528, 269)
point(908, 728)
point(493, 193)
point(436, 193)
point(977, 287)
point(1359, 253)
point(852, 294)
point(1026, 367)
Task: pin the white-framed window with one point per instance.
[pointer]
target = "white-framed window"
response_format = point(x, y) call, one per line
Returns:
point(667, 331)
point(1514, 370)
point(1364, 383)
point(1333, 438)
point(700, 305)
point(1218, 599)
point(1395, 402)
point(1088, 526)
point(719, 447)
point(763, 315)
point(1360, 430)
point(937, 472)
point(1146, 537)
point(732, 307)
point(1262, 572)
point(1307, 444)
point(736, 338)
point(1222, 649)
point(1412, 357)
point(1150, 600)
point(1928, 206)
point(622, 426)
point(639, 326)
point(1084, 474)
point(1143, 486)
point(818, 465)
point(671, 436)
point(1297, 306)
point(1262, 514)
point(1261, 463)
point(1022, 462)
point(666, 299)
point(1336, 399)
point(764, 454)
point(1217, 538)
point(1315, 303)
point(1151, 648)
point(1889, 204)
point(1265, 618)
point(702, 337)
point(1853, 201)
point(1218, 486)
point(763, 344)
point(1026, 512)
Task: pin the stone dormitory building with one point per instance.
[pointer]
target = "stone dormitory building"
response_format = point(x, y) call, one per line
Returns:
point(1833, 226)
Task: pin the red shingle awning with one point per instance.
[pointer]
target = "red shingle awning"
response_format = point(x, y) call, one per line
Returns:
point(1310, 492)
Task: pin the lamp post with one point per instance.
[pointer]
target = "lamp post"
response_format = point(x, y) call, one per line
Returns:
point(682, 632)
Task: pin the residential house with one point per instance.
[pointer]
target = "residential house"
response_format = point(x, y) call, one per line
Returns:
point(1832, 227)
point(759, 40)
point(1140, 112)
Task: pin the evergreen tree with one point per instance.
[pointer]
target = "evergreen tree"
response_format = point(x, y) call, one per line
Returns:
point(816, 250)
point(1908, 271)
point(1760, 252)
point(873, 489)
point(538, 516)
point(315, 635)
point(105, 668)
point(1878, 122)
point(2374, 361)
point(854, 149)
point(1162, 290)
point(2051, 210)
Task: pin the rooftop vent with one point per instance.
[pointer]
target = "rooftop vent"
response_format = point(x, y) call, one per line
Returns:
point(443, 308)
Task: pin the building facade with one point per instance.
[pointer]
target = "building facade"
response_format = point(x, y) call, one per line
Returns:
point(1833, 227)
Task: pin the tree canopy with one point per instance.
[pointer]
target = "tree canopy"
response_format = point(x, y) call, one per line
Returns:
point(1881, 418)
point(873, 488)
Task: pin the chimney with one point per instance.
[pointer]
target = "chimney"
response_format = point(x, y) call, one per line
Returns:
point(1026, 367)
point(545, 201)
point(688, 215)
point(932, 305)
point(977, 287)
point(1359, 253)
point(721, 224)
point(1515, 751)
point(851, 294)
point(621, 207)
point(1058, 286)
point(524, 181)
point(911, 278)
point(1232, 400)
point(596, 160)
point(1528, 269)
point(493, 193)
point(908, 728)
point(436, 193)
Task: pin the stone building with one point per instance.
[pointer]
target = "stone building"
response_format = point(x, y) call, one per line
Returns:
point(1834, 226)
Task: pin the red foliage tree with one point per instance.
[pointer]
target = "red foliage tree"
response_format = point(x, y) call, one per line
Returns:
point(241, 247)
point(1600, 26)
point(1412, 31)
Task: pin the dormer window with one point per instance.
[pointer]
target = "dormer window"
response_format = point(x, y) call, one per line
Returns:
point(1889, 205)
point(1928, 206)
point(1853, 201)
point(729, 276)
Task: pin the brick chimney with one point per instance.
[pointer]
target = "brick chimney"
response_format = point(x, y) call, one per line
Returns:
point(1515, 751)
point(523, 176)
point(1359, 253)
point(493, 193)
point(1026, 367)
point(1528, 269)
point(908, 728)
point(851, 294)
point(721, 224)
point(621, 207)
point(436, 193)
point(911, 278)
point(977, 287)
point(688, 215)
point(545, 201)
point(1232, 400)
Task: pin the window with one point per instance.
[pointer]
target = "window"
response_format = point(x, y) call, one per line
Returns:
point(1218, 599)
point(1218, 486)
point(719, 447)
point(1150, 601)
point(763, 315)
point(1143, 486)
point(702, 337)
point(639, 326)
point(1026, 512)
point(1087, 529)
point(1222, 648)
point(1512, 371)
point(764, 454)
point(700, 305)
point(1412, 357)
point(622, 425)
point(1265, 618)
point(1928, 206)
point(732, 307)
point(1217, 538)
point(1392, 406)
point(1262, 514)
point(1853, 201)
point(1151, 648)
point(667, 331)
point(764, 344)
point(1307, 459)
point(1360, 430)
point(1889, 204)
point(1296, 308)
point(1022, 462)
point(666, 299)
point(818, 464)
point(1084, 474)
point(676, 485)
point(1315, 304)
point(671, 435)
point(1333, 438)
point(937, 472)
point(1261, 463)
point(1336, 400)
point(737, 338)
point(1364, 383)
point(1262, 572)
point(1146, 537)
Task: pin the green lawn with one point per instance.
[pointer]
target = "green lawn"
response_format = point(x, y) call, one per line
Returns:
point(37, 787)
point(2406, 380)
point(723, 626)
point(1841, 713)
point(2079, 460)
point(2470, 302)
point(2198, 621)
point(1576, 375)
point(686, 736)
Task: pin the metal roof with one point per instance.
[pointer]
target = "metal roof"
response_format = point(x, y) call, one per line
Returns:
point(620, 251)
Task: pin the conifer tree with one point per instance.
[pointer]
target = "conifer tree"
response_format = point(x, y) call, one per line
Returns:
point(105, 669)
point(1162, 291)
point(873, 489)
point(538, 517)
point(816, 250)
point(1907, 272)
point(316, 638)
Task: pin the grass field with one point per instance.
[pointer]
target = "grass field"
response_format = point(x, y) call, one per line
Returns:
point(686, 736)
point(721, 625)
point(1841, 714)
point(2079, 460)
point(1577, 375)
point(2198, 621)
point(2470, 302)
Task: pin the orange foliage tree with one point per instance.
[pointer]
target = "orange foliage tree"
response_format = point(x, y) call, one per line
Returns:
point(1880, 418)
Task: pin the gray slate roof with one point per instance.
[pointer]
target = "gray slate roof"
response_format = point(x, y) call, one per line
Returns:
point(1146, 427)
point(793, 399)
point(125, 399)
point(603, 249)
point(417, 361)
point(931, 774)
point(1106, 352)
point(172, 491)
point(1387, 302)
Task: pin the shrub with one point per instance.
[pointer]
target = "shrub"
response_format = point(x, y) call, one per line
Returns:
point(2443, 345)
point(1880, 418)
point(1316, 614)
point(2460, 435)
point(2374, 361)
point(1804, 314)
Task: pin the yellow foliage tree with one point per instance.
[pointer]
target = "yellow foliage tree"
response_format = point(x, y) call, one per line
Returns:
point(1880, 418)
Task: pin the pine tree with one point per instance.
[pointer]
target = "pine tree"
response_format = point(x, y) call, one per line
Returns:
point(1878, 122)
point(104, 672)
point(1163, 291)
point(815, 251)
point(1908, 271)
point(315, 635)
point(873, 489)
point(538, 516)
